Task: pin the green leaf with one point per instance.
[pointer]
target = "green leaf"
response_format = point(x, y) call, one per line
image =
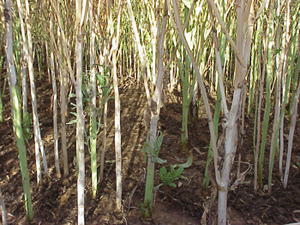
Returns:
point(72, 121)
point(162, 171)
point(73, 113)
point(160, 161)
point(171, 184)
point(188, 163)
point(72, 95)
point(179, 171)
point(172, 169)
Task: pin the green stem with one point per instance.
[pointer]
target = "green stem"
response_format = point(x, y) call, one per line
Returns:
point(148, 201)
point(93, 141)
point(265, 131)
point(210, 150)
point(22, 151)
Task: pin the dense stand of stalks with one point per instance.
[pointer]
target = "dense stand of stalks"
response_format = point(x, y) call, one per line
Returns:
point(244, 54)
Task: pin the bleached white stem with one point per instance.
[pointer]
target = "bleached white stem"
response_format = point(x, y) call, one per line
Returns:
point(291, 136)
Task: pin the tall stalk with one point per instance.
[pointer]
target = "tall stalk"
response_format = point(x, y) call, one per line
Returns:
point(103, 147)
point(231, 130)
point(16, 112)
point(154, 139)
point(81, 15)
point(29, 58)
point(220, 56)
point(93, 122)
point(286, 88)
point(118, 153)
point(267, 72)
point(185, 80)
point(188, 83)
point(117, 130)
point(281, 73)
point(153, 24)
point(152, 148)
point(61, 55)
point(291, 137)
point(258, 111)
point(264, 131)
point(54, 97)
point(244, 35)
point(294, 103)
point(27, 120)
